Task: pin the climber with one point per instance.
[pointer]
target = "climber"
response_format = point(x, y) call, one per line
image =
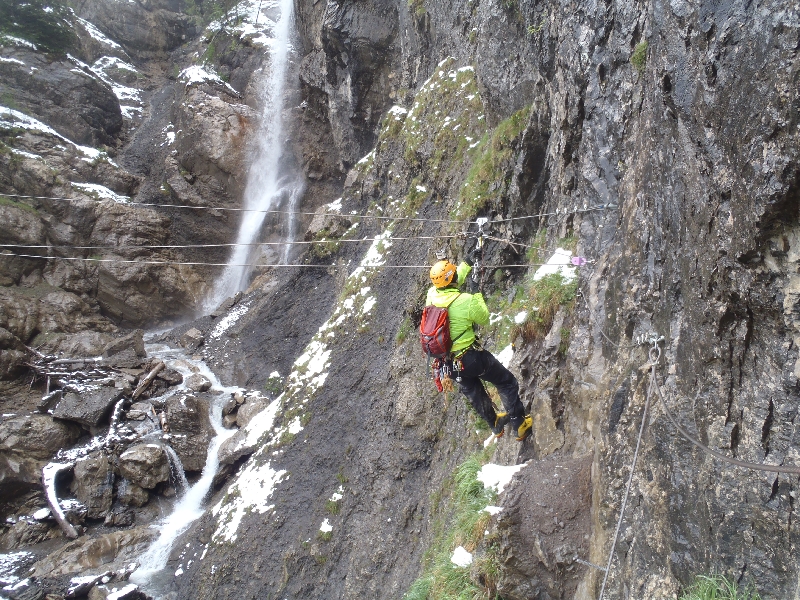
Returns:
point(471, 363)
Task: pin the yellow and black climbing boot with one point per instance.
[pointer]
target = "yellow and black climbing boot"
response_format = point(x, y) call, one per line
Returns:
point(500, 421)
point(525, 429)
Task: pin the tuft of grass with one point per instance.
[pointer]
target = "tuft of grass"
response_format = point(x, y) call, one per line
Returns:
point(402, 333)
point(45, 23)
point(325, 536)
point(333, 507)
point(5, 201)
point(547, 294)
point(490, 174)
point(537, 29)
point(718, 587)
point(417, 7)
point(533, 254)
point(464, 526)
point(639, 56)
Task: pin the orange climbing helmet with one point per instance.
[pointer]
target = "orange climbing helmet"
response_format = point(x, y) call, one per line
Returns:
point(442, 273)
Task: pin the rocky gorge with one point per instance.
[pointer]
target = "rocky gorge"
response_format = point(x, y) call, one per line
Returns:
point(636, 164)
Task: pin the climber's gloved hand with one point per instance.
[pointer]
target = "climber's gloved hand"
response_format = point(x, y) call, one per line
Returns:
point(472, 256)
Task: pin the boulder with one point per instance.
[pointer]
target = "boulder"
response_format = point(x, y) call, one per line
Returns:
point(120, 517)
point(132, 341)
point(543, 527)
point(229, 421)
point(227, 304)
point(124, 359)
point(189, 424)
point(91, 553)
point(198, 383)
point(27, 532)
point(171, 376)
point(93, 484)
point(18, 474)
point(192, 339)
point(146, 465)
point(91, 407)
point(120, 591)
point(37, 436)
point(231, 406)
point(130, 494)
point(250, 409)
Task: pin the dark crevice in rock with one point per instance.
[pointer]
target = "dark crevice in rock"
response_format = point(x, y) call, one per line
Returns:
point(765, 430)
point(735, 438)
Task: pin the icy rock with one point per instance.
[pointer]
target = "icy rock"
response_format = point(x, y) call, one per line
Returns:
point(192, 339)
point(250, 410)
point(198, 383)
point(230, 407)
point(93, 484)
point(146, 465)
point(90, 408)
point(131, 494)
point(29, 591)
point(80, 586)
point(239, 397)
point(25, 533)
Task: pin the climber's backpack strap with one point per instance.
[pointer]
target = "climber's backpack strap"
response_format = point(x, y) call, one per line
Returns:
point(434, 331)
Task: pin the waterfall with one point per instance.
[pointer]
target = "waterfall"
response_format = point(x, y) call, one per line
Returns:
point(177, 476)
point(190, 505)
point(271, 184)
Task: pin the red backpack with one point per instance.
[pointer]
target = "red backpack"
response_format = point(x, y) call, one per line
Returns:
point(434, 331)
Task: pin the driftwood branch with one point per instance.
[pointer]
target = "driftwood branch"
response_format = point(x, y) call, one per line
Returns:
point(49, 474)
point(147, 380)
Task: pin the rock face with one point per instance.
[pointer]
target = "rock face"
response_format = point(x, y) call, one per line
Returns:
point(544, 524)
point(104, 551)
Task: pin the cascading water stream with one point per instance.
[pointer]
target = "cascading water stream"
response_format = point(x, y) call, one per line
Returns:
point(270, 182)
point(177, 476)
point(190, 506)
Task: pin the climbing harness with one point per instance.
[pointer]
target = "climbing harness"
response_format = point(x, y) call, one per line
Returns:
point(442, 371)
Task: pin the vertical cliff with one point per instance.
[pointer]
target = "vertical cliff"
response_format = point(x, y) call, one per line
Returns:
point(684, 118)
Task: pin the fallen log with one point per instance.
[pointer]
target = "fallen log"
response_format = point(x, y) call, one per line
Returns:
point(147, 380)
point(49, 474)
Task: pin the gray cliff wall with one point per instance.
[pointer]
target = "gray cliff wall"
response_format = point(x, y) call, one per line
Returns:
point(696, 141)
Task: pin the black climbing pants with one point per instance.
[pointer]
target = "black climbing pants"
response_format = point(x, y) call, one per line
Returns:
point(480, 364)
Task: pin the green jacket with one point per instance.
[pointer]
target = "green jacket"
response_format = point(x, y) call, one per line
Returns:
point(464, 311)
